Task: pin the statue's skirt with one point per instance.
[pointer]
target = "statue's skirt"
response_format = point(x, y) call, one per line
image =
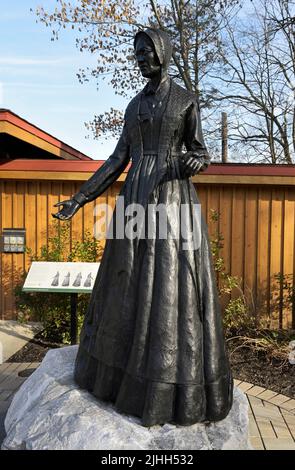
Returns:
point(152, 341)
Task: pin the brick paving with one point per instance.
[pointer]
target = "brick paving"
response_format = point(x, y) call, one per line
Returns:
point(271, 418)
point(10, 381)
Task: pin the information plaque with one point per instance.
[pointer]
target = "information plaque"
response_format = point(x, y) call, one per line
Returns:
point(64, 277)
point(47, 276)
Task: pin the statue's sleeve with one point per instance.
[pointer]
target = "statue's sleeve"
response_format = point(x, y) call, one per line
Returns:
point(107, 173)
point(193, 134)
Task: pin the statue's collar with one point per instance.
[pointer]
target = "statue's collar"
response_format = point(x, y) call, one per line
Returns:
point(163, 86)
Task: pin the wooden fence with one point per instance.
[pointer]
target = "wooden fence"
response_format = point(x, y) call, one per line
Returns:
point(256, 221)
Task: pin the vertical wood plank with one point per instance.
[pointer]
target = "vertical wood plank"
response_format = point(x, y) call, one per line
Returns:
point(30, 220)
point(7, 209)
point(288, 248)
point(18, 221)
point(238, 237)
point(276, 253)
point(213, 204)
point(42, 215)
point(202, 195)
point(225, 226)
point(213, 200)
point(88, 217)
point(263, 253)
point(250, 255)
point(52, 198)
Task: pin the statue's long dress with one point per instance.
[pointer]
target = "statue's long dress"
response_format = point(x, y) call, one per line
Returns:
point(152, 341)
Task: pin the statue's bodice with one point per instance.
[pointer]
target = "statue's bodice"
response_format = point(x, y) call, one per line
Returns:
point(151, 111)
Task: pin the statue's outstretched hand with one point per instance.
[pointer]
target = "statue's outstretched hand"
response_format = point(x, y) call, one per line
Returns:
point(69, 208)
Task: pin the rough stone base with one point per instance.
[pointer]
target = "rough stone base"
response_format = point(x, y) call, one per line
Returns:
point(50, 412)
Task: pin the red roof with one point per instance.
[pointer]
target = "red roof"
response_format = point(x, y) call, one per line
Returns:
point(250, 169)
point(12, 118)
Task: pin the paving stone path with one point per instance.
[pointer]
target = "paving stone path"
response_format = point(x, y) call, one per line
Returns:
point(271, 418)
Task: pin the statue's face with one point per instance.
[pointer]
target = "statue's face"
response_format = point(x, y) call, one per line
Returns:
point(146, 57)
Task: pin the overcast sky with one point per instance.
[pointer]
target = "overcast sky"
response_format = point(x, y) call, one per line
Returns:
point(38, 79)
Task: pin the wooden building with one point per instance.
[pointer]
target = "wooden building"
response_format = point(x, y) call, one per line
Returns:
point(256, 204)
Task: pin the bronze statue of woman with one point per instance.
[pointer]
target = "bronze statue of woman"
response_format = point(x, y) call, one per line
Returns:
point(152, 341)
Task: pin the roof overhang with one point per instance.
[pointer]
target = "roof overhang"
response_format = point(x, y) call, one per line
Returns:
point(21, 129)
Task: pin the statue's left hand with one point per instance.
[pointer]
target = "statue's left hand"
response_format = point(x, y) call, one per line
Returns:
point(192, 164)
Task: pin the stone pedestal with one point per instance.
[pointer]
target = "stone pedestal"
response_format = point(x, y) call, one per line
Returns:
point(50, 412)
